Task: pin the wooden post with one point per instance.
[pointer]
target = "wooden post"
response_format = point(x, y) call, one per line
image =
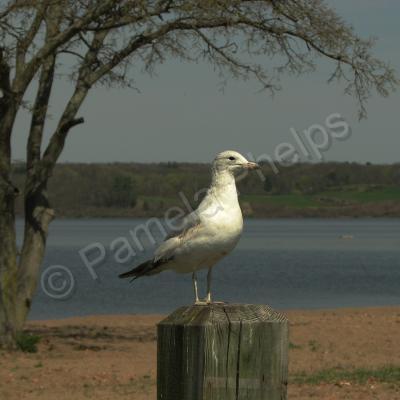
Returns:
point(223, 352)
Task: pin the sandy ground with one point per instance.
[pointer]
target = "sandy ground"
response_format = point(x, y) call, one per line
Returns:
point(114, 357)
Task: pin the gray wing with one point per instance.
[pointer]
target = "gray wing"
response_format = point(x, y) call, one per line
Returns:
point(185, 227)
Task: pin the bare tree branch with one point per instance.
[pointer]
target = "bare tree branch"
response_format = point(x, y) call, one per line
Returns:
point(68, 119)
point(46, 80)
point(39, 111)
point(60, 39)
point(5, 84)
point(29, 36)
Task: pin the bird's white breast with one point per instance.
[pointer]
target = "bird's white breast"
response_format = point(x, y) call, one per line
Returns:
point(216, 235)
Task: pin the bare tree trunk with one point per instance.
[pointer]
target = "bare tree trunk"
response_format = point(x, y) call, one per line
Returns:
point(8, 250)
point(8, 264)
point(38, 216)
point(38, 213)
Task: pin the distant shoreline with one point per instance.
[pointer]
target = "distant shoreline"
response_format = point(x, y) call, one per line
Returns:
point(304, 190)
point(251, 217)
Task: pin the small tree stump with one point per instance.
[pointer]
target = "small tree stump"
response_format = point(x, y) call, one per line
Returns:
point(223, 352)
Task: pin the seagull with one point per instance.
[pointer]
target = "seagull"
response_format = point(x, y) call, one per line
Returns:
point(207, 234)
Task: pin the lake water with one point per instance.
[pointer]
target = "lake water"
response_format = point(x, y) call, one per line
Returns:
point(289, 263)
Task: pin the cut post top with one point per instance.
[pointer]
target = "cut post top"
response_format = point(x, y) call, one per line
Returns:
point(217, 313)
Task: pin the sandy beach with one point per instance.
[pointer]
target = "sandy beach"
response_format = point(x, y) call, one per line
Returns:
point(334, 354)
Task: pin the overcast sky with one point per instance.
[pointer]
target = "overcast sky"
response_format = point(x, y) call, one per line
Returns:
point(181, 115)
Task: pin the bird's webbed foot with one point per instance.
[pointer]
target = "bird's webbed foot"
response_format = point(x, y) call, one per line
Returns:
point(200, 303)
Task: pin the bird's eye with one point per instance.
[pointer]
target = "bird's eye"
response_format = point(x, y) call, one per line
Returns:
point(232, 158)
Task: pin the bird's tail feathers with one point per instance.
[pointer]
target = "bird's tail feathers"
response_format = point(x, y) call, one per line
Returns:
point(143, 269)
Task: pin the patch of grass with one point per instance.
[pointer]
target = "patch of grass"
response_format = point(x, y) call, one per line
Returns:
point(313, 345)
point(88, 389)
point(27, 342)
point(82, 347)
point(287, 200)
point(157, 201)
point(143, 384)
point(293, 346)
point(365, 195)
point(356, 194)
point(388, 374)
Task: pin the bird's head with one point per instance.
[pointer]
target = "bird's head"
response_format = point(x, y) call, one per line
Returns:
point(233, 162)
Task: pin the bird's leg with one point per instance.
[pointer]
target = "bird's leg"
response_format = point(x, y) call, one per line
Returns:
point(208, 298)
point(196, 294)
point(209, 275)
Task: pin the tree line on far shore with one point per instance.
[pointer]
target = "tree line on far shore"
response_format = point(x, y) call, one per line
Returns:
point(132, 189)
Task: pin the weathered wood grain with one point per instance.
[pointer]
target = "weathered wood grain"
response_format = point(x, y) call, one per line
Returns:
point(223, 352)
